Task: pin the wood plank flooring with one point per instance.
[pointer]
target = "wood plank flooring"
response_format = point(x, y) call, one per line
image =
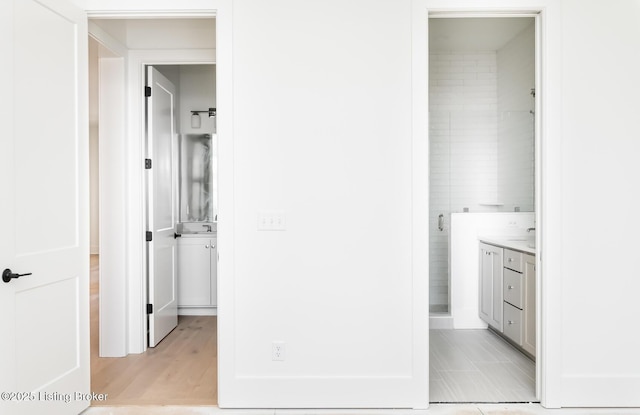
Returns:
point(478, 366)
point(181, 370)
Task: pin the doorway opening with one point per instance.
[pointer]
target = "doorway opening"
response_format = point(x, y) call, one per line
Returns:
point(183, 50)
point(483, 74)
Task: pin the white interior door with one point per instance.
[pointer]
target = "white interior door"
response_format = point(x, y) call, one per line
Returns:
point(162, 203)
point(44, 222)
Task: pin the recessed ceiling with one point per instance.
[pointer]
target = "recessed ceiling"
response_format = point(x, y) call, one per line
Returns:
point(469, 34)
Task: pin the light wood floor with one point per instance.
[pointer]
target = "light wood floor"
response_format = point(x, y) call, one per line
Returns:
point(478, 366)
point(181, 370)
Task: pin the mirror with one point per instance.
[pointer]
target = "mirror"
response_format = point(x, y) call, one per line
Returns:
point(198, 168)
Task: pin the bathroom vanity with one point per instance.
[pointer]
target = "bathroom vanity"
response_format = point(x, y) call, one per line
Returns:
point(508, 290)
point(197, 274)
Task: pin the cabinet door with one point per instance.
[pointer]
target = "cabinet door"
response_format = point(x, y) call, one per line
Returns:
point(490, 301)
point(529, 340)
point(513, 288)
point(513, 323)
point(486, 283)
point(194, 263)
point(214, 272)
point(497, 295)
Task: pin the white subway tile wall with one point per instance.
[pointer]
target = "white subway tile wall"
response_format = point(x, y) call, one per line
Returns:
point(481, 141)
point(463, 144)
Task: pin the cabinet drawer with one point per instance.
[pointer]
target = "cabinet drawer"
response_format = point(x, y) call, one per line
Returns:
point(513, 288)
point(513, 260)
point(513, 323)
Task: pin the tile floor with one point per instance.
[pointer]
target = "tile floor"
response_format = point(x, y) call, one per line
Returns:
point(478, 366)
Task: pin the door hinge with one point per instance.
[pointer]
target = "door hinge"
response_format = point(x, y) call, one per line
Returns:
point(149, 308)
point(147, 91)
point(147, 164)
point(149, 236)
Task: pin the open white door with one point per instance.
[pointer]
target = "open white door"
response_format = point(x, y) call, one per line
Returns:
point(162, 207)
point(44, 316)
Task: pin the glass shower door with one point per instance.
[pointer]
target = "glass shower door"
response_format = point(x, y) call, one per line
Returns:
point(439, 210)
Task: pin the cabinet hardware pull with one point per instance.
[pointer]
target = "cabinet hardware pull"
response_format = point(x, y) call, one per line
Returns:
point(510, 260)
point(206, 246)
point(510, 287)
point(510, 322)
point(213, 247)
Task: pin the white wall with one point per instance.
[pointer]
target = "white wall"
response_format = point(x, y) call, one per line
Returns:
point(516, 78)
point(197, 92)
point(591, 197)
point(322, 117)
point(601, 147)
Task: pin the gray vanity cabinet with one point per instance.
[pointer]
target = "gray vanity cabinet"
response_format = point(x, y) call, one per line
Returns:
point(491, 274)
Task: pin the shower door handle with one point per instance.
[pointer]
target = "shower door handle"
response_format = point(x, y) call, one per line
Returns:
point(441, 222)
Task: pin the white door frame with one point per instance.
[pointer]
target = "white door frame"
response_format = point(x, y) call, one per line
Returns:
point(134, 275)
point(112, 221)
point(548, 152)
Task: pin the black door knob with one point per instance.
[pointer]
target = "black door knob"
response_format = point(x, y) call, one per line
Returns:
point(7, 275)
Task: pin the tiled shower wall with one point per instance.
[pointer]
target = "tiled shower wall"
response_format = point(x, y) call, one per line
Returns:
point(463, 147)
point(481, 141)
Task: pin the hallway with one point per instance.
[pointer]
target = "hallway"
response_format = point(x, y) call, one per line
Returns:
point(181, 370)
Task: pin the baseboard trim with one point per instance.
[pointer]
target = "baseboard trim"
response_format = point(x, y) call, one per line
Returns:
point(197, 311)
point(601, 391)
point(444, 321)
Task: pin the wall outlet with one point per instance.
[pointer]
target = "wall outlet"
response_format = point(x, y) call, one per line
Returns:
point(278, 351)
point(271, 221)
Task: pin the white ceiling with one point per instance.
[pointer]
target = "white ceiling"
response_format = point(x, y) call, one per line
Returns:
point(196, 33)
point(468, 34)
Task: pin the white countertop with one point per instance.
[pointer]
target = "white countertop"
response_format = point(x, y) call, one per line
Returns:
point(199, 235)
point(517, 243)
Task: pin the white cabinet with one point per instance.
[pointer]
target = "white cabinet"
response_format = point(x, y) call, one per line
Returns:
point(197, 272)
point(491, 297)
point(520, 299)
point(529, 311)
point(508, 294)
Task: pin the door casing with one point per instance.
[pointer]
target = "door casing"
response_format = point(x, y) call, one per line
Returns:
point(135, 267)
point(547, 167)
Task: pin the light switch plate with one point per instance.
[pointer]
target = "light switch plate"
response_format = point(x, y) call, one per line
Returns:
point(274, 220)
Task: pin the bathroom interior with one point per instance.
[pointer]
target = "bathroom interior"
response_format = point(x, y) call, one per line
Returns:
point(482, 96)
point(196, 170)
